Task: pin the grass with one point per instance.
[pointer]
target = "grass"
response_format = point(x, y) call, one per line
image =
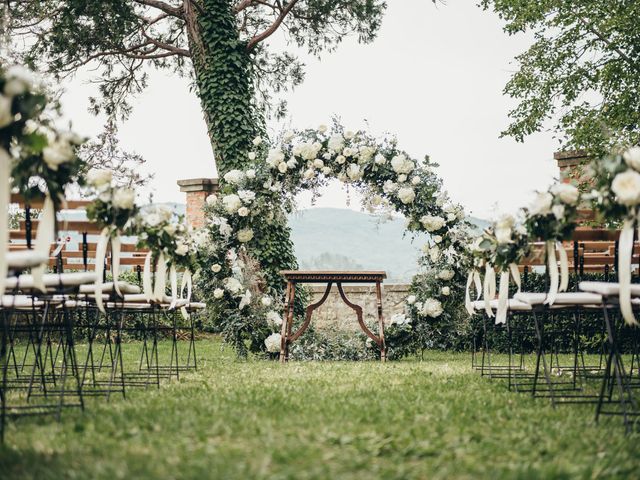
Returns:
point(257, 419)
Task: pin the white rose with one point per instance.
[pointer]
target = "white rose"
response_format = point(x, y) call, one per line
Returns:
point(211, 200)
point(558, 211)
point(6, 117)
point(252, 155)
point(266, 301)
point(275, 156)
point(340, 159)
point(57, 153)
point(432, 223)
point(326, 170)
point(309, 174)
point(274, 318)
point(402, 178)
point(541, 205)
point(437, 238)
point(123, 198)
point(353, 171)
point(250, 174)
point(446, 291)
point(632, 157)
point(411, 299)
point(336, 142)
point(322, 128)
point(503, 235)
point(216, 267)
point(432, 308)
point(401, 164)
point(234, 176)
point(218, 293)
point(182, 249)
point(243, 211)
point(98, 178)
point(416, 180)
point(389, 187)
point(380, 159)
point(434, 254)
point(446, 275)
point(349, 134)
point(257, 141)
point(318, 163)
point(272, 342)
point(231, 203)
point(282, 167)
point(245, 235)
point(399, 319)
point(626, 186)
point(288, 136)
point(292, 163)
point(567, 193)
point(406, 195)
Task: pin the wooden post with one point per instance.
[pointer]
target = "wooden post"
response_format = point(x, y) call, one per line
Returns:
point(383, 346)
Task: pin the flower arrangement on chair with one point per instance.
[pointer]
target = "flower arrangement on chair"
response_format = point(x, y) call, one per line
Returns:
point(616, 197)
point(502, 245)
point(551, 217)
point(41, 159)
point(112, 210)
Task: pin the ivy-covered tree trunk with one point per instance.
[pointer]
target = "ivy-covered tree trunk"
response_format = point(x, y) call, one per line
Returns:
point(224, 79)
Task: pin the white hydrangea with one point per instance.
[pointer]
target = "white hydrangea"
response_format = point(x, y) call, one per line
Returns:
point(432, 308)
point(446, 275)
point(401, 164)
point(275, 157)
point(446, 291)
point(416, 181)
point(432, 223)
point(317, 163)
point(366, 153)
point(336, 143)
point(231, 203)
point(274, 318)
point(402, 178)
point(234, 177)
point(232, 284)
point(247, 196)
point(272, 342)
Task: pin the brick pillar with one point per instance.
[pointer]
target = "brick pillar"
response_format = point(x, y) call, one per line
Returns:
point(570, 164)
point(197, 190)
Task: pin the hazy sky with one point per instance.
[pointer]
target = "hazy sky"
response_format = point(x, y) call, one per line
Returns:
point(434, 77)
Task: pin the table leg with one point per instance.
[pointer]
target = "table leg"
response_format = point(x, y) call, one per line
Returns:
point(383, 346)
point(287, 321)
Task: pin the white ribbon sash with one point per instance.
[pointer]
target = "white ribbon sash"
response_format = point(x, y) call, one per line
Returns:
point(5, 199)
point(44, 238)
point(489, 290)
point(552, 265)
point(146, 278)
point(515, 273)
point(187, 283)
point(173, 278)
point(467, 297)
point(624, 271)
point(160, 284)
point(101, 253)
point(116, 247)
point(478, 284)
point(503, 298)
point(564, 268)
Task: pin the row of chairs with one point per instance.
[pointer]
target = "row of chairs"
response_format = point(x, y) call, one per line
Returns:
point(576, 351)
point(57, 348)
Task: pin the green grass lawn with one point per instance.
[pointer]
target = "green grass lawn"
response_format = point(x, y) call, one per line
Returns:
point(432, 419)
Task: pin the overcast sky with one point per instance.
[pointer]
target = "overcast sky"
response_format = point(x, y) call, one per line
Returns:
point(434, 77)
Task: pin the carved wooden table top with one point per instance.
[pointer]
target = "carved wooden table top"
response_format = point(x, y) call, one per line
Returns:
point(323, 276)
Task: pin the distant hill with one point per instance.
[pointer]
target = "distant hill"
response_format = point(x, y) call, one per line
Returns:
point(333, 238)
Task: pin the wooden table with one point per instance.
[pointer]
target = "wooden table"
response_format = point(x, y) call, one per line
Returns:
point(329, 277)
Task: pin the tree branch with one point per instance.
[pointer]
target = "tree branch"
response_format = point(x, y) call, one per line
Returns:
point(274, 26)
point(242, 5)
point(166, 46)
point(589, 26)
point(160, 5)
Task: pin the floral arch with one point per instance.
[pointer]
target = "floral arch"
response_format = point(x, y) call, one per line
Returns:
point(246, 295)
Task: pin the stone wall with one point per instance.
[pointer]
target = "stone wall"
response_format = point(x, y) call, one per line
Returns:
point(334, 314)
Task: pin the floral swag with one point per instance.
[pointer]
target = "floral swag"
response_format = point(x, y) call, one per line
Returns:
point(388, 179)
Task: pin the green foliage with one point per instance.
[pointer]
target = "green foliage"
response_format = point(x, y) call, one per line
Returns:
point(582, 71)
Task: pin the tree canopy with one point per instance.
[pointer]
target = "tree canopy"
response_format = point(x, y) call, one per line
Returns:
point(121, 37)
point(581, 76)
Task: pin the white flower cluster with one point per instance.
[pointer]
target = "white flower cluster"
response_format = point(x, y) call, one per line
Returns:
point(626, 185)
